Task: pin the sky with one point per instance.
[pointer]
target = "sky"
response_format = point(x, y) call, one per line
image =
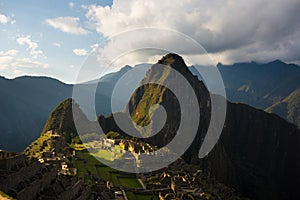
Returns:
point(55, 38)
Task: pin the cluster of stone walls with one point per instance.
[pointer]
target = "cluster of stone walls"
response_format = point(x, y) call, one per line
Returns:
point(12, 162)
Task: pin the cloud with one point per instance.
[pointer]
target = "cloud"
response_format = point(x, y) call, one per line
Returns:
point(94, 47)
point(67, 25)
point(27, 63)
point(32, 47)
point(56, 44)
point(228, 30)
point(71, 4)
point(80, 52)
point(8, 59)
point(11, 52)
point(18, 72)
point(5, 19)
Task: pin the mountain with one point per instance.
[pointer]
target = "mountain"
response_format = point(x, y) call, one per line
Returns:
point(26, 103)
point(57, 166)
point(24, 109)
point(109, 81)
point(62, 123)
point(258, 152)
point(288, 108)
point(148, 95)
point(260, 85)
point(263, 86)
point(47, 168)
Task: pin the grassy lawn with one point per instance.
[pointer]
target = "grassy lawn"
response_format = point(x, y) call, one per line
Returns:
point(145, 197)
point(129, 182)
point(104, 154)
point(97, 168)
point(104, 172)
point(109, 155)
point(132, 196)
point(83, 167)
point(114, 179)
point(107, 173)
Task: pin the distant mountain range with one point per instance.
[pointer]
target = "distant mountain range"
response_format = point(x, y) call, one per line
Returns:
point(25, 105)
point(273, 87)
point(265, 86)
point(26, 102)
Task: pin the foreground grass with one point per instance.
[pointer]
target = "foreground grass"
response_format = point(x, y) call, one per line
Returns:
point(131, 183)
point(87, 164)
point(132, 196)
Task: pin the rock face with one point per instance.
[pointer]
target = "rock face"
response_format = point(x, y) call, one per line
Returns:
point(258, 153)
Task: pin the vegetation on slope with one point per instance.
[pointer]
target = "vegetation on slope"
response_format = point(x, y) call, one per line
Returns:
point(288, 108)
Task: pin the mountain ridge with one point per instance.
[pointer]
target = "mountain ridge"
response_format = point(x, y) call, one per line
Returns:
point(28, 98)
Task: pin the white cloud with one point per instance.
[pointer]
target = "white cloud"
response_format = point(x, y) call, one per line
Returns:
point(94, 47)
point(32, 47)
point(2, 67)
point(8, 59)
point(71, 4)
point(68, 25)
point(11, 52)
point(228, 30)
point(5, 19)
point(5, 61)
point(27, 63)
point(56, 44)
point(80, 52)
point(17, 72)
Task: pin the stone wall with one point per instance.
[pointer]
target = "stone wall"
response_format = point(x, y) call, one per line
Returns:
point(37, 186)
point(12, 162)
point(73, 191)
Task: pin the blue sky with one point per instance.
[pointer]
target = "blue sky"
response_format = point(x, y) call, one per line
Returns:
point(28, 18)
point(54, 38)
